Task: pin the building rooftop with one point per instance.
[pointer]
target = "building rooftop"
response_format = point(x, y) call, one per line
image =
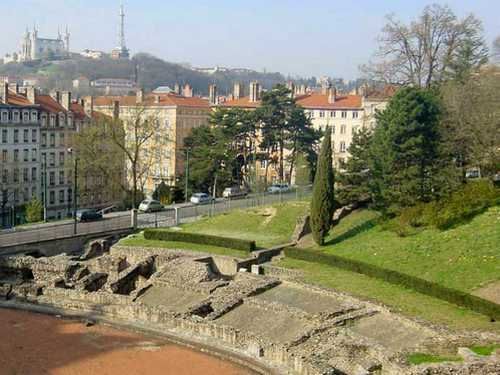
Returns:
point(152, 100)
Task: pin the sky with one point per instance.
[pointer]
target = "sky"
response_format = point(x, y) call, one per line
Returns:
point(296, 37)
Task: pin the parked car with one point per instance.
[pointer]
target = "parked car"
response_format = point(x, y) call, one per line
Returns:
point(278, 188)
point(150, 205)
point(88, 215)
point(234, 192)
point(201, 198)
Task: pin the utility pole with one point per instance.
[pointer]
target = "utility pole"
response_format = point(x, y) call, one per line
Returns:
point(75, 197)
point(187, 176)
point(44, 182)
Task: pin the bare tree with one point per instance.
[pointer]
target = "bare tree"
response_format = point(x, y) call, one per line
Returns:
point(428, 49)
point(495, 54)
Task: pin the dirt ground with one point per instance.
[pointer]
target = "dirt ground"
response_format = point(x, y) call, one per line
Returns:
point(35, 344)
point(490, 292)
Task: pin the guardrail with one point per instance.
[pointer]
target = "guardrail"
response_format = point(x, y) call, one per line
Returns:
point(54, 232)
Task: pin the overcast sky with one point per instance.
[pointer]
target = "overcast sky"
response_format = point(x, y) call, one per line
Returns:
point(304, 37)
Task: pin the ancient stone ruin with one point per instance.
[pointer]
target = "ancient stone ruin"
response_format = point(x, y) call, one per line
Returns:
point(283, 325)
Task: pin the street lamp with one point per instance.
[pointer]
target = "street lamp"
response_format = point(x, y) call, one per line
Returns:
point(75, 190)
point(44, 182)
point(187, 175)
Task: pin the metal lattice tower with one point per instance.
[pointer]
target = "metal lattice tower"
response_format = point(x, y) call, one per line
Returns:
point(121, 36)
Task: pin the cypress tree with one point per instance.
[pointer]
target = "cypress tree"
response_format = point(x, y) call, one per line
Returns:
point(322, 204)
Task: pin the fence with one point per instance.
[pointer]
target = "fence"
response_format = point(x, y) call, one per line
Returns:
point(182, 214)
point(63, 230)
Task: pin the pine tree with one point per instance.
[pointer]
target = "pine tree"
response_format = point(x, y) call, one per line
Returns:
point(406, 154)
point(323, 205)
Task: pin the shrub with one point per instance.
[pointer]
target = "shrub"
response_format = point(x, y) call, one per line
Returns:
point(203, 239)
point(430, 288)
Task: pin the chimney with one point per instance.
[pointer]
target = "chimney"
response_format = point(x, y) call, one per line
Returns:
point(31, 94)
point(303, 89)
point(56, 95)
point(177, 89)
point(254, 92)
point(291, 86)
point(139, 96)
point(212, 95)
point(238, 90)
point(187, 91)
point(116, 110)
point(325, 87)
point(66, 100)
point(5, 92)
point(16, 88)
point(157, 99)
point(332, 95)
point(88, 105)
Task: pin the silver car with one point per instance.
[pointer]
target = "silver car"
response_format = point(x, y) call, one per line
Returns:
point(150, 205)
point(201, 198)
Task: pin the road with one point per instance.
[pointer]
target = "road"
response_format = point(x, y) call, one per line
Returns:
point(170, 216)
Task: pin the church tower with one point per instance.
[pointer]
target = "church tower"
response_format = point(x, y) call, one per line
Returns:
point(66, 40)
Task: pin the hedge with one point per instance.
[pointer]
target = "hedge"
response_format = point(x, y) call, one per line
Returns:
point(430, 288)
point(203, 239)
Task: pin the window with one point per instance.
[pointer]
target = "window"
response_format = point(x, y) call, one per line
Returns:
point(61, 139)
point(333, 129)
point(344, 114)
point(4, 135)
point(44, 120)
point(61, 196)
point(34, 116)
point(61, 120)
point(26, 154)
point(70, 195)
point(5, 176)
point(33, 174)
point(52, 121)
point(332, 114)
point(311, 113)
point(355, 114)
point(52, 197)
point(25, 174)
point(5, 117)
point(52, 178)
point(16, 175)
point(263, 164)
point(33, 154)
point(34, 134)
point(16, 155)
point(343, 129)
point(15, 116)
point(321, 114)
point(52, 140)
point(26, 135)
point(61, 158)
point(26, 117)
point(61, 177)
point(26, 194)
point(16, 195)
point(5, 156)
point(33, 192)
point(342, 147)
point(52, 159)
point(16, 135)
point(70, 121)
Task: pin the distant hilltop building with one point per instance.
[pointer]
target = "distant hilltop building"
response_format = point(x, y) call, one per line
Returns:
point(34, 48)
point(121, 52)
point(92, 54)
point(222, 69)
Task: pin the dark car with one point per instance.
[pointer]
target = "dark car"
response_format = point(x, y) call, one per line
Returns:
point(88, 215)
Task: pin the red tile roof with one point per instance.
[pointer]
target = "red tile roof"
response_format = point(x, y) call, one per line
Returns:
point(320, 101)
point(152, 100)
point(49, 104)
point(17, 99)
point(308, 101)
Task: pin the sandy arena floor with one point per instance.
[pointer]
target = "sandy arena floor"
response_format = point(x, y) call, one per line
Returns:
point(35, 344)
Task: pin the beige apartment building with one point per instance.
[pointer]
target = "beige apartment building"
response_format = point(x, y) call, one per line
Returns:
point(174, 115)
point(343, 113)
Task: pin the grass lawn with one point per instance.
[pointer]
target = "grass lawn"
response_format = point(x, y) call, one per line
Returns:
point(485, 350)
point(139, 241)
point(418, 358)
point(267, 226)
point(462, 258)
point(399, 299)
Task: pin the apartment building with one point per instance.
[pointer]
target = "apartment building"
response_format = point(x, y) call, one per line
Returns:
point(343, 113)
point(36, 159)
point(174, 115)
